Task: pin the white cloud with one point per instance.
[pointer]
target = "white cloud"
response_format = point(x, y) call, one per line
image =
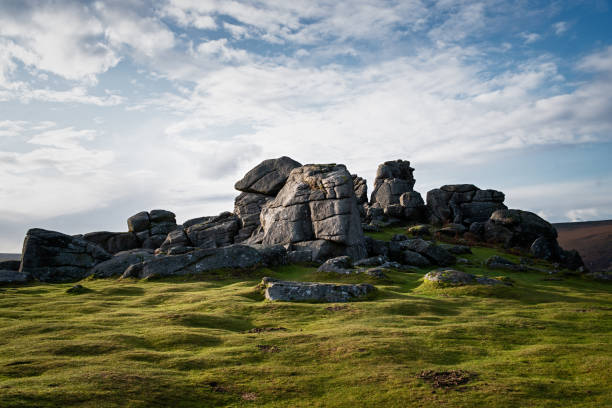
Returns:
point(9, 128)
point(220, 51)
point(583, 214)
point(560, 27)
point(66, 40)
point(530, 37)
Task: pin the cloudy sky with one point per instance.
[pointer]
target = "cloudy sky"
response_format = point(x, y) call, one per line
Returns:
point(108, 108)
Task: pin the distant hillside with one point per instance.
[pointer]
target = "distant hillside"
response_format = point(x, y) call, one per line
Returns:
point(592, 239)
point(8, 257)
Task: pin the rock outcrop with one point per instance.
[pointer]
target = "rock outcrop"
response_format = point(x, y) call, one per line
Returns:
point(114, 242)
point(278, 290)
point(316, 203)
point(214, 232)
point(259, 186)
point(463, 204)
point(247, 208)
point(196, 262)
point(393, 196)
point(50, 256)
point(117, 265)
point(151, 228)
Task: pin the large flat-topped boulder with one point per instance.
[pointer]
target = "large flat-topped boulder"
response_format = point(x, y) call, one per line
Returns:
point(463, 204)
point(196, 262)
point(316, 203)
point(268, 177)
point(50, 256)
point(278, 290)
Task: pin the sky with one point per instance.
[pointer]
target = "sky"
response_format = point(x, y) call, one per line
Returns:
point(108, 108)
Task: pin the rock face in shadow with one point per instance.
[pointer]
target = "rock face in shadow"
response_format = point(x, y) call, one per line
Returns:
point(463, 204)
point(196, 262)
point(50, 256)
point(277, 290)
point(151, 228)
point(113, 242)
point(115, 266)
point(11, 276)
point(214, 232)
point(317, 203)
point(247, 208)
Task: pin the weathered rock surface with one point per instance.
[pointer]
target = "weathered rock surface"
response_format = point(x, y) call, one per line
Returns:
point(215, 232)
point(277, 290)
point(517, 228)
point(113, 242)
point(117, 265)
point(8, 276)
point(247, 208)
point(415, 259)
point(434, 253)
point(360, 187)
point(316, 203)
point(10, 265)
point(50, 256)
point(545, 248)
point(341, 265)
point(196, 262)
point(463, 204)
point(393, 196)
point(151, 228)
point(453, 277)
point(274, 255)
point(393, 178)
point(268, 177)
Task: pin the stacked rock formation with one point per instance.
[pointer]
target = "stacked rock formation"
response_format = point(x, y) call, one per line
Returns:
point(393, 196)
point(317, 208)
point(259, 186)
point(151, 228)
point(463, 204)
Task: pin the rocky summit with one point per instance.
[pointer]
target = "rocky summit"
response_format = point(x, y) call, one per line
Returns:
point(288, 213)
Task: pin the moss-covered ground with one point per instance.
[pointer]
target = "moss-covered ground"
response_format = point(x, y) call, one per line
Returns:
point(191, 343)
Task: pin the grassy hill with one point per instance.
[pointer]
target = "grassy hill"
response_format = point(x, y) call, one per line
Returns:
point(217, 342)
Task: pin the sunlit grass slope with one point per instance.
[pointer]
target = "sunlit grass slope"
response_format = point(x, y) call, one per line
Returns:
point(191, 343)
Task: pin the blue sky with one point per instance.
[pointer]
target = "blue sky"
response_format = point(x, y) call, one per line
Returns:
point(108, 108)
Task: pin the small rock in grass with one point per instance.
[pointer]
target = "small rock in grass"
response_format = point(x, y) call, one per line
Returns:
point(77, 289)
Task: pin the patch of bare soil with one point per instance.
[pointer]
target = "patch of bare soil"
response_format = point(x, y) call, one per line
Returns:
point(268, 348)
point(446, 379)
point(336, 308)
point(249, 396)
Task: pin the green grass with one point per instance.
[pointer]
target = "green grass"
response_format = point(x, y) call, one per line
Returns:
point(186, 343)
